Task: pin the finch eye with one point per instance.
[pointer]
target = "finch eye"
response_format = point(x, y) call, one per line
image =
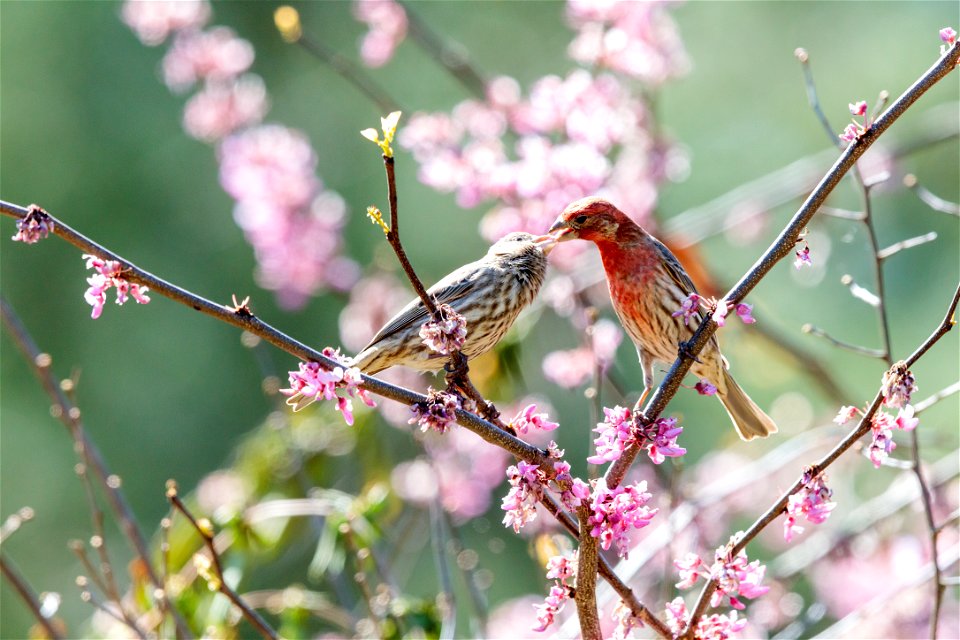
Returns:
point(580, 219)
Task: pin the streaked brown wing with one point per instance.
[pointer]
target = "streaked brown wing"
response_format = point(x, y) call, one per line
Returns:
point(450, 289)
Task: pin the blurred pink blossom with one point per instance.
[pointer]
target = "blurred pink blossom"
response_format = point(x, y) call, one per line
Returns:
point(527, 419)
point(216, 55)
point(373, 301)
point(387, 21)
point(154, 20)
point(221, 108)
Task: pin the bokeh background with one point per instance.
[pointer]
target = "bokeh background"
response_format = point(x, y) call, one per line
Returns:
point(90, 132)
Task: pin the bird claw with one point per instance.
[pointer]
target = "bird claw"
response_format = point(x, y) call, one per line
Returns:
point(684, 348)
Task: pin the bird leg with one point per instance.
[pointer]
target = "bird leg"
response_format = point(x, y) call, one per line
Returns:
point(685, 349)
point(458, 379)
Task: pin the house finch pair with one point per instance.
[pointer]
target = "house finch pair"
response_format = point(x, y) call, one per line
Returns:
point(647, 285)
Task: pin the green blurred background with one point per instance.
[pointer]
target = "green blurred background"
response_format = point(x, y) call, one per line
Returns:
point(90, 132)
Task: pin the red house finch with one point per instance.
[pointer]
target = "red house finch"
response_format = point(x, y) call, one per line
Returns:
point(647, 285)
point(488, 293)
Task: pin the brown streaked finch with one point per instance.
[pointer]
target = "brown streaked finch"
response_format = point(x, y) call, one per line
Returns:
point(489, 293)
point(648, 286)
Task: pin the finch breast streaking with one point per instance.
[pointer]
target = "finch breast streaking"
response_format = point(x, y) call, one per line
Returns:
point(647, 285)
point(488, 293)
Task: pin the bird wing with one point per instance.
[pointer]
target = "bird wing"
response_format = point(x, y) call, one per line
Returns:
point(451, 288)
point(674, 269)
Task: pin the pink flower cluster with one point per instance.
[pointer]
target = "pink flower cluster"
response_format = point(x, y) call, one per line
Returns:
point(109, 274)
point(637, 39)
point(712, 627)
point(882, 423)
point(446, 335)
point(292, 222)
point(33, 227)
point(689, 308)
point(736, 577)
point(560, 569)
point(948, 35)
point(437, 413)
point(626, 621)
point(387, 21)
point(616, 511)
point(803, 257)
point(744, 312)
point(618, 431)
point(574, 367)
point(573, 491)
point(856, 129)
point(527, 419)
point(312, 382)
point(812, 502)
point(526, 490)
point(572, 137)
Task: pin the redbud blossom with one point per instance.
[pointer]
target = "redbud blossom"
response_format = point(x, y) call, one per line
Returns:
point(850, 133)
point(616, 511)
point(313, 382)
point(527, 418)
point(858, 108)
point(217, 55)
point(154, 21)
point(690, 308)
point(881, 427)
point(437, 413)
point(35, 226)
point(803, 258)
point(109, 274)
point(552, 605)
point(579, 490)
point(617, 432)
point(447, 334)
point(905, 420)
point(690, 568)
point(712, 627)
point(387, 21)
point(704, 388)
point(735, 576)
point(720, 315)
point(846, 414)
point(626, 621)
point(948, 35)
point(743, 311)
point(812, 502)
point(526, 489)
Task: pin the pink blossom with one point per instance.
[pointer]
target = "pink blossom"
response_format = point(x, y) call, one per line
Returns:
point(217, 55)
point(437, 413)
point(897, 386)
point(743, 312)
point(562, 567)
point(858, 108)
point(812, 502)
point(33, 227)
point(803, 257)
point(882, 445)
point(948, 35)
point(720, 315)
point(677, 616)
point(704, 388)
point(221, 108)
point(735, 576)
point(616, 511)
point(387, 21)
point(690, 568)
point(527, 418)
point(578, 491)
point(313, 382)
point(526, 489)
point(660, 439)
point(626, 620)
point(690, 308)
point(846, 414)
point(447, 334)
point(153, 21)
point(905, 419)
point(109, 273)
point(552, 605)
point(293, 223)
point(850, 133)
point(616, 433)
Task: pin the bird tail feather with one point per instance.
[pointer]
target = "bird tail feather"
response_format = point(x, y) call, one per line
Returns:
point(749, 419)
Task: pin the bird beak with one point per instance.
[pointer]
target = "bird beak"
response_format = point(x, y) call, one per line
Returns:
point(546, 243)
point(562, 231)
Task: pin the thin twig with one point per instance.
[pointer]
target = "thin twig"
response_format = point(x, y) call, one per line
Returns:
point(781, 247)
point(928, 402)
point(247, 321)
point(69, 415)
point(249, 614)
point(29, 598)
point(909, 243)
point(861, 429)
point(854, 348)
point(929, 198)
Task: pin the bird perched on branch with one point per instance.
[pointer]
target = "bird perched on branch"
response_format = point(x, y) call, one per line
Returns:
point(648, 286)
point(488, 293)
